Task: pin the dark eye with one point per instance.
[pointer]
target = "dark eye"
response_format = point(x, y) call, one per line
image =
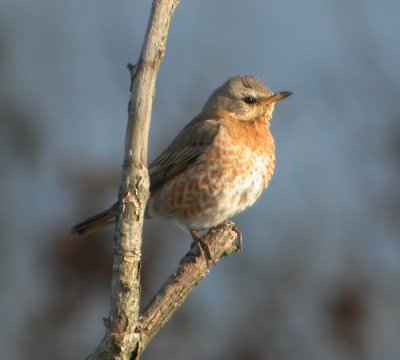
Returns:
point(249, 100)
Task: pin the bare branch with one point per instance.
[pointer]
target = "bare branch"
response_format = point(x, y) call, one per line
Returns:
point(121, 338)
point(127, 335)
point(191, 271)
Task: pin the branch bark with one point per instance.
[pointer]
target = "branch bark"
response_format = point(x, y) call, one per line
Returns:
point(127, 334)
point(191, 270)
point(121, 338)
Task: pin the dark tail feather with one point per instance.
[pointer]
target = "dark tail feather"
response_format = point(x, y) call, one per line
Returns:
point(96, 222)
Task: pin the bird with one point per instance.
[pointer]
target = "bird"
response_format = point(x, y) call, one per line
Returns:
point(217, 166)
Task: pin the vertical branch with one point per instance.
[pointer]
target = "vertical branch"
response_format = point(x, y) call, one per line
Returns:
point(121, 338)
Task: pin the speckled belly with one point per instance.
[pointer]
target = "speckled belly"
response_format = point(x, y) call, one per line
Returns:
point(220, 185)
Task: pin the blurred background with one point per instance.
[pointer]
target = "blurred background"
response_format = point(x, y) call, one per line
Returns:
point(319, 274)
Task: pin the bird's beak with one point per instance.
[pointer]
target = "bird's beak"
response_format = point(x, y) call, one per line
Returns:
point(278, 96)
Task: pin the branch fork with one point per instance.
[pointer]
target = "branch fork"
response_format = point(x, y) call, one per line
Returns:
point(127, 331)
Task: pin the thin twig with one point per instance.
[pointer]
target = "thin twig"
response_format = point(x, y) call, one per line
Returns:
point(192, 269)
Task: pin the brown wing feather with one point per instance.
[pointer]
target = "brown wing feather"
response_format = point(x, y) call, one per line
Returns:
point(183, 152)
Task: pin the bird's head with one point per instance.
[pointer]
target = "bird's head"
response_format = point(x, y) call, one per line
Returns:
point(244, 98)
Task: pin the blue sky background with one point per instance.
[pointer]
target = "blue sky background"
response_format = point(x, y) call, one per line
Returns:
point(318, 278)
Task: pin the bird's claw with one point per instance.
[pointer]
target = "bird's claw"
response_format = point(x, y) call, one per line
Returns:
point(203, 247)
point(239, 244)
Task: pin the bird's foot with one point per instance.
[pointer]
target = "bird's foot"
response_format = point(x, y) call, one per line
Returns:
point(203, 247)
point(239, 238)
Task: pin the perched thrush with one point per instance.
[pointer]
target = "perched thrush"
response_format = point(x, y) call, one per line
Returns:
point(217, 166)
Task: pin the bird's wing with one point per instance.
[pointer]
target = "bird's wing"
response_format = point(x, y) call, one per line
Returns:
point(183, 152)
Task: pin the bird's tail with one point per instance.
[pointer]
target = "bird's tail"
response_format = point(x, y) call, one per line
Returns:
point(96, 222)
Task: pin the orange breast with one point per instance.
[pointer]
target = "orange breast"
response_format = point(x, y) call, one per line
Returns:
point(227, 179)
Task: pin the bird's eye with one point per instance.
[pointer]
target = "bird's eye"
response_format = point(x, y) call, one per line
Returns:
point(249, 100)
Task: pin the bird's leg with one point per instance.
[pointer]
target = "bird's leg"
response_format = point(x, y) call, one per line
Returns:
point(239, 236)
point(203, 247)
